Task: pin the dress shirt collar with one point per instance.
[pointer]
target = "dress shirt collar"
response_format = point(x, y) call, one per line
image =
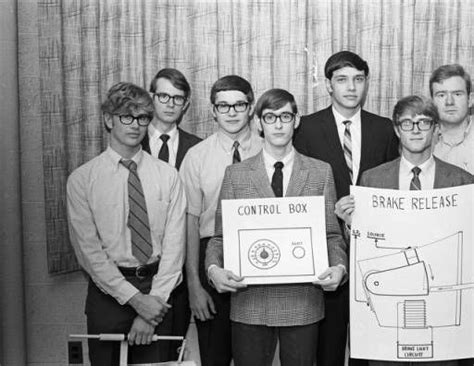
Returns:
point(454, 142)
point(227, 143)
point(115, 157)
point(355, 119)
point(427, 168)
point(270, 160)
point(155, 134)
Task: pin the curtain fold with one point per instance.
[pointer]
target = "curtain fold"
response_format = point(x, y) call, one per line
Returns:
point(86, 46)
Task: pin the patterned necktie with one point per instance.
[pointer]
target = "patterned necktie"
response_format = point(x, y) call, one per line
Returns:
point(277, 179)
point(347, 146)
point(415, 184)
point(236, 156)
point(164, 153)
point(138, 222)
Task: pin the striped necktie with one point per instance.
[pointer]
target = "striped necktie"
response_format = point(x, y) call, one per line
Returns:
point(164, 153)
point(415, 184)
point(347, 147)
point(138, 222)
point(236, 156)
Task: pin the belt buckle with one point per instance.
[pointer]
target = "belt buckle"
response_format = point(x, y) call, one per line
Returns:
point(141, 272)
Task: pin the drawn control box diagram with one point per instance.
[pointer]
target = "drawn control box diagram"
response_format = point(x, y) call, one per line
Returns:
point(276, 252)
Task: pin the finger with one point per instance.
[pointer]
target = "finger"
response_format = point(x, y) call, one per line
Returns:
point(212, 307)
point(325, 274)
point(200, 315)
point(131, 338)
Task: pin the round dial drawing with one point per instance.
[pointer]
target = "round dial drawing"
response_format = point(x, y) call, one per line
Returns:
point(264, 254)
point(298, 252)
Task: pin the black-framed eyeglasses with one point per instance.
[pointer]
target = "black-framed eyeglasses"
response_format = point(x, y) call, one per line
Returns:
point(164, 98)
point(423, 124)
point(237, 107)
point(284, 117)
point(142, 120)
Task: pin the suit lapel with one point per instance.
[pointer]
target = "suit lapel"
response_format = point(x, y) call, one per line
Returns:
point(183, 146)
point(442, 176)
point(334, 144)
point(365, 142)
point(298, 177)
point(146, 144)
point(393, 178)
point(259, 177)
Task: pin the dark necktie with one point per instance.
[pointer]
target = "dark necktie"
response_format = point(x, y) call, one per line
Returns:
point(164, 153)
point(277, 179)
point(347, 146)
point(236, 156)
point(415, 184)
point(138, 222)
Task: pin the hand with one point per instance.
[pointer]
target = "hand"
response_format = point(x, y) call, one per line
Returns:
point(225, 280)
point(141, 332)
point(200, 302)
point(150, 308)
point(330, 279)
point(345, 208)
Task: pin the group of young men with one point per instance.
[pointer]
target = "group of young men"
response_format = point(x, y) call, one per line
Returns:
point(151, 204)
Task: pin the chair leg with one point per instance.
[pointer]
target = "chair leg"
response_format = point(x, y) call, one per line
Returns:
point(123, 353)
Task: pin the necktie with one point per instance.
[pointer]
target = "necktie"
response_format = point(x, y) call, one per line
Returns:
point(277, 179)
point(138, 222)
point(164, 153)
point(347, 146)
point(236, 156)
point(415, 184)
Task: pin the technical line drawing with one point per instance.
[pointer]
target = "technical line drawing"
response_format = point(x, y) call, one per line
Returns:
point(413, 289)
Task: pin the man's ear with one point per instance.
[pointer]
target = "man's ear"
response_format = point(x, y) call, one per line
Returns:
point(186, 106)
point(108, 120)
point(328, 86)
point(297, 121)
point(471, 100)
point(396, 129)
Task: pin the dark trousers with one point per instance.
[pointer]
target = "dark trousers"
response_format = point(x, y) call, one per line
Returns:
point(214, 336)
point(422, 363)
point(180, 317)
point(333, 328)
point(254, 345)
point(106, 315)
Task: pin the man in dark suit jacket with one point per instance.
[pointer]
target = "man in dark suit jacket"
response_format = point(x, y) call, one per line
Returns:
point(289, 313)
point(166, 141)
point(351, 140)
point(414, 121)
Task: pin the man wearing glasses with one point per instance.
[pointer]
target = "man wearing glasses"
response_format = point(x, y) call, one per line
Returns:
point(289, 313)
point(126, 213)
point(414, 120)
point(202, 172)
point(352, 140)
point(166, 141)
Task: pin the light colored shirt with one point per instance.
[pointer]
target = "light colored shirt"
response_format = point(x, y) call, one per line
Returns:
point(156, 142)
point(426, 176)
point(287, 161)
point(97, 205)
point(202, 172)
point(356, 138)
point(459, 152)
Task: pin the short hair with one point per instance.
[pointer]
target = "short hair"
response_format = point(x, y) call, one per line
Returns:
point(175, 77)
point(344, 59)
point(448, 71)
point(275, 99)
point(416, 105)
point(125, 98)
point(232, 82)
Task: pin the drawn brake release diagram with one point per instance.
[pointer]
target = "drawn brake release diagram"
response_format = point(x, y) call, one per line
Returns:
point(414, 289)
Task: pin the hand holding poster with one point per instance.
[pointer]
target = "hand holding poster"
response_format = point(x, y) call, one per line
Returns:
point(275, 240)
point(412, 274)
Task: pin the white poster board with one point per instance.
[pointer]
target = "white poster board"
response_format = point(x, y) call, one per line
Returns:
point(412, 274)
point(275, 240)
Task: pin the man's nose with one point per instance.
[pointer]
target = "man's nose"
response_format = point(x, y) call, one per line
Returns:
point(449, 99)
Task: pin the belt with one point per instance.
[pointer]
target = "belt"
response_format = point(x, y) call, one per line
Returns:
point(141, 272)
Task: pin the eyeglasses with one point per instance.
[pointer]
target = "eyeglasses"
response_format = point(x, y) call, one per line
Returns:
point(225, 108)
point(142, 120)
point(164, 98)
point(285, 117)
point(423, 124)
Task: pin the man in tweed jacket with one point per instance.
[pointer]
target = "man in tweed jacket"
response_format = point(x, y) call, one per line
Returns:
point(263, 314)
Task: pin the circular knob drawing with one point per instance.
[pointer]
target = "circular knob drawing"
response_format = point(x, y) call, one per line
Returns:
point(298, 252)
point(264, 254)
